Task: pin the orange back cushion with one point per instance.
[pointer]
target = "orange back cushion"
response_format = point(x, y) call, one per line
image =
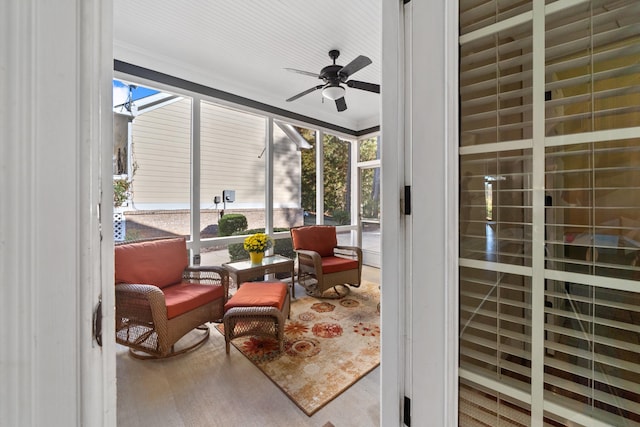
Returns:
point(159, 262)
point(318, 238)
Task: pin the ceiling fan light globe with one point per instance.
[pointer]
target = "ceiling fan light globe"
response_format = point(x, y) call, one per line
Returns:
point(333, 92)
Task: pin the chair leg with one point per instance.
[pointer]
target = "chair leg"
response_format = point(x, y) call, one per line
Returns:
point(204, 337)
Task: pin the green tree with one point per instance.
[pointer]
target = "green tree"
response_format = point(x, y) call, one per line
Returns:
point(337, 191)
point(308, 173)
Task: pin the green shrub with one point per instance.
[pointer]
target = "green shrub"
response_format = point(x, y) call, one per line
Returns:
point(342, 217)
point(121, 190)
point(232, 223)
point(282, 247)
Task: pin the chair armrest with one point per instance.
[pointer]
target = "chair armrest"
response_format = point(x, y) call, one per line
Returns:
point(355, 251)
point(140, 303)
point(310, 259)
point(208, 275)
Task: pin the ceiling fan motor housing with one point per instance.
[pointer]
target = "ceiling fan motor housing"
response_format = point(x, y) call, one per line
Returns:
point(330, 75)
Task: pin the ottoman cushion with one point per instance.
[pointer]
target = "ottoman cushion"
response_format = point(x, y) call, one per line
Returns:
point(258, 294)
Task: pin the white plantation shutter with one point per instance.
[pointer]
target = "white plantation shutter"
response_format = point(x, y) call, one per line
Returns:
point(588, 295)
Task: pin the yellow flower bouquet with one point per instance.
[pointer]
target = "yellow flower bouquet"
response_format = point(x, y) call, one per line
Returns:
point(258, 242)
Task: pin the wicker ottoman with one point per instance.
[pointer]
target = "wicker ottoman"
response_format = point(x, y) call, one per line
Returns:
point(257, 308)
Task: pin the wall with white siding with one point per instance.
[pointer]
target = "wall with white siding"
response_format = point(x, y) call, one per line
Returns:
point(161, 149)
point(233, 158)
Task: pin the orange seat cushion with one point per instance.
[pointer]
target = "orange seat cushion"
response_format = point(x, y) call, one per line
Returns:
point(184, 297)
point(258, 294)
point(159, 262)
point(334, 264)
point(318, 238)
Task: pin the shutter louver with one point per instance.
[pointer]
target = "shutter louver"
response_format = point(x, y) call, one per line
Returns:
point(592, 352)
point(593, 215)
point(495, 207)
point(495, 326)
point(592, 68)
point(476, 14)
point(495, 87)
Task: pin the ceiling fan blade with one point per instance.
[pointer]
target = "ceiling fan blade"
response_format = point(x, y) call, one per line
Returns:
point(301, 94)
point(341, 104)
point(371, 87)
point(357, 64)
point(306, 73)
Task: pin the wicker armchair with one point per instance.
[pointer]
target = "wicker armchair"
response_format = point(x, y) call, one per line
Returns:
point(160, 298)
point(321, 258)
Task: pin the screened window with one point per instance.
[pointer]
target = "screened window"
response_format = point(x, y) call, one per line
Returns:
point(337, 180)
point(232, 158)
point(159, 167)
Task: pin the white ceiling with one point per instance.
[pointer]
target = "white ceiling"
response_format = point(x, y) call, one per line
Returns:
point(243, 48)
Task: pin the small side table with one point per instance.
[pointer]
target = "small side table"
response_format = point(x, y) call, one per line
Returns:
point(245, 271)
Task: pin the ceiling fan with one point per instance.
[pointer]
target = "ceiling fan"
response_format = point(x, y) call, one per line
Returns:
point(335, 77)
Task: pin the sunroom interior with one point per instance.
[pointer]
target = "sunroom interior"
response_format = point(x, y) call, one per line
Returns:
point(200, 136)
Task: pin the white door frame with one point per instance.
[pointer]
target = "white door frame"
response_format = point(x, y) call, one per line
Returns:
point(55, 124)
point(424, 243)
point(392, 233)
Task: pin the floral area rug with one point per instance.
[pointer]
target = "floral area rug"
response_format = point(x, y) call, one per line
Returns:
point(329, 345)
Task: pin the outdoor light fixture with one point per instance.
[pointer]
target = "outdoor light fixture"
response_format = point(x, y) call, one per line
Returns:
point(333, 92)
